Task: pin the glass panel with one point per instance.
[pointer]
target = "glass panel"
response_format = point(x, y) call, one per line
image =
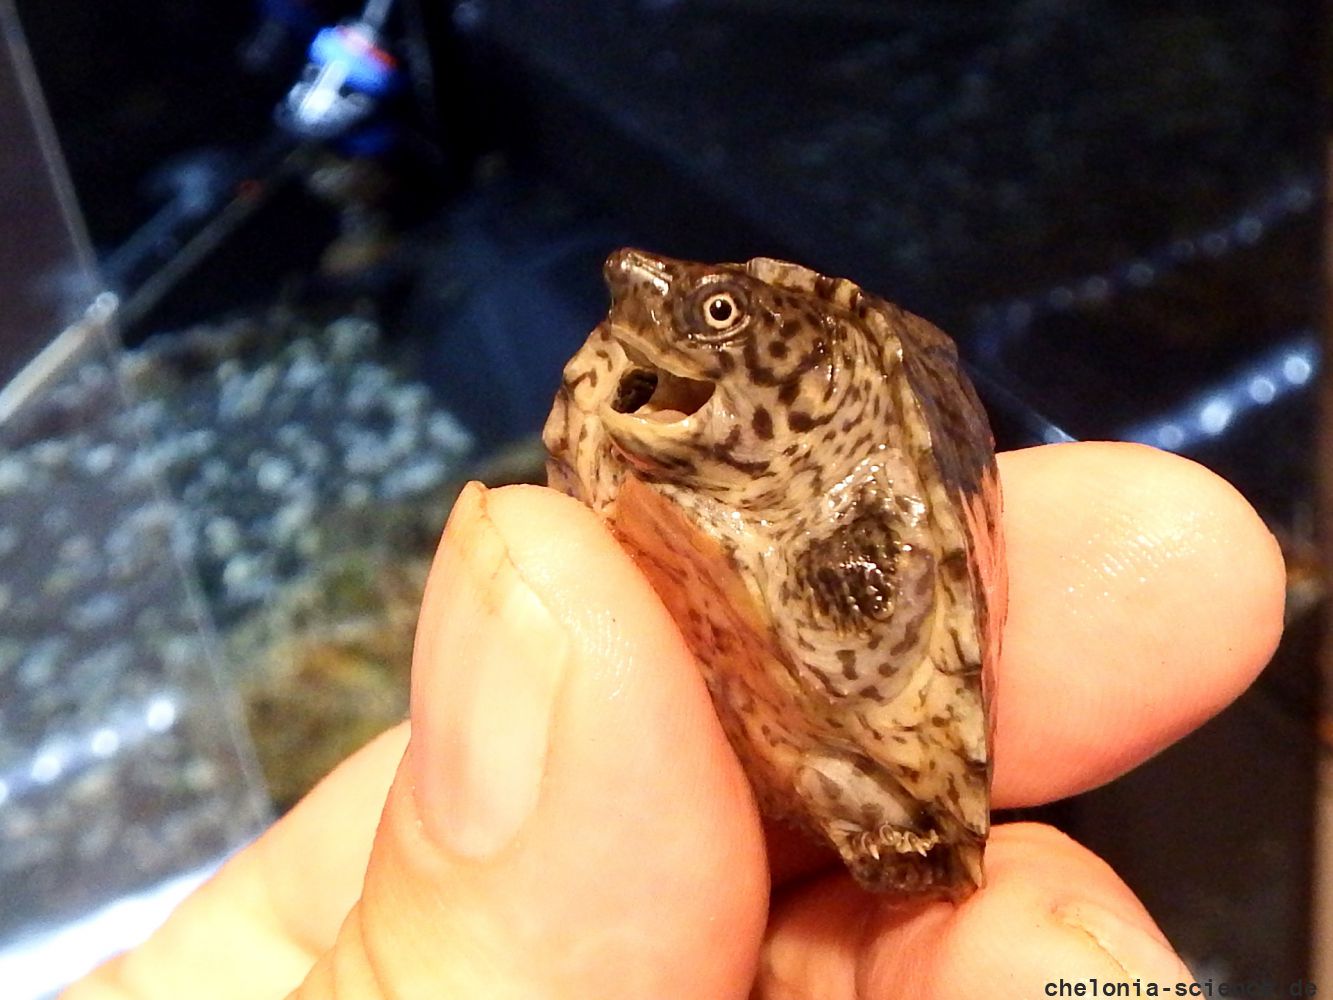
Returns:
point(124, 777)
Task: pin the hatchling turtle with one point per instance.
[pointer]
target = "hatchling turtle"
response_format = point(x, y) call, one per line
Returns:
point(808, 480)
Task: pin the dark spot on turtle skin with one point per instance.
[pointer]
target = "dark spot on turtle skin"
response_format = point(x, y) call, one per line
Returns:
point(760, 374)
point(958, 650)
point(721, 454)
point(677, 463)
point(824, 681)
point(911, 634)
point(799, 421)
point(777, 349)
point(811, 359)
point(966, 669)
point(762, 424)
point(830, 789)
point(954, 566)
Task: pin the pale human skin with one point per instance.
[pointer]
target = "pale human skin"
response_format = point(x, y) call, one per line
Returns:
point(566, 819)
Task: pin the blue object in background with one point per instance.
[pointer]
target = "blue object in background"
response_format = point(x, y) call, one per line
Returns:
point(355, 55)
point(348, 76)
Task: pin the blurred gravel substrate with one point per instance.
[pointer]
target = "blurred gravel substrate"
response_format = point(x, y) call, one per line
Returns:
point(257, 454)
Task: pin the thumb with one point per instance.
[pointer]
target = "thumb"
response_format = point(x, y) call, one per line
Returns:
point(568, 820)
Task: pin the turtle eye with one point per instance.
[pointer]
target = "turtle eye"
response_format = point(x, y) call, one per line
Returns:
point(721, 311)
point(715, 311)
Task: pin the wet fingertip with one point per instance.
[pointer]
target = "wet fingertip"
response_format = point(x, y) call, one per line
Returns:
point(1146, 595)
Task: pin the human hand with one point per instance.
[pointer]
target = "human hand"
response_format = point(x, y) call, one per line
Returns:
point(566, 818)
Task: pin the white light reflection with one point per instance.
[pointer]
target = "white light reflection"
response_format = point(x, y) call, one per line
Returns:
point(46, 767)
point(1297, 370)
point(62, 756)
point(161, 714)
point(1262, 390)
point(1275, 375)
point(1170, 437)
point(104, 743)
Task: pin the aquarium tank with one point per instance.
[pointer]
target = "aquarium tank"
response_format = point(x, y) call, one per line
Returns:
point(261, 321)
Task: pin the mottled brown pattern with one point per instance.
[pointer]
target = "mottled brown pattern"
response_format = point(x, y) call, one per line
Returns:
point(809, 482)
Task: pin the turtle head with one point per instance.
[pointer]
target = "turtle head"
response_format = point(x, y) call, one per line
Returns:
point(717, 359)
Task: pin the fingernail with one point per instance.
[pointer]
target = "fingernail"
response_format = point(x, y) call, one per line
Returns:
point(1139, 953)
point(486, 671)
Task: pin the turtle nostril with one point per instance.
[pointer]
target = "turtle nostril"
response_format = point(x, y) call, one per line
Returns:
point(627, 271)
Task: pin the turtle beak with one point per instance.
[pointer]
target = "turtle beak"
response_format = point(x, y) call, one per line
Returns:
point(631, 273)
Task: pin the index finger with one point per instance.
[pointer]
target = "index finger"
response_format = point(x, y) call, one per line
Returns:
point(1145, 595)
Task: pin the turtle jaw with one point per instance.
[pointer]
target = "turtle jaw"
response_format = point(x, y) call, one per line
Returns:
point(652, 390)
point(654, 411)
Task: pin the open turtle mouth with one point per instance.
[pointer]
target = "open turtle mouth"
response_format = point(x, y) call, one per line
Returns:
point(651, 393)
